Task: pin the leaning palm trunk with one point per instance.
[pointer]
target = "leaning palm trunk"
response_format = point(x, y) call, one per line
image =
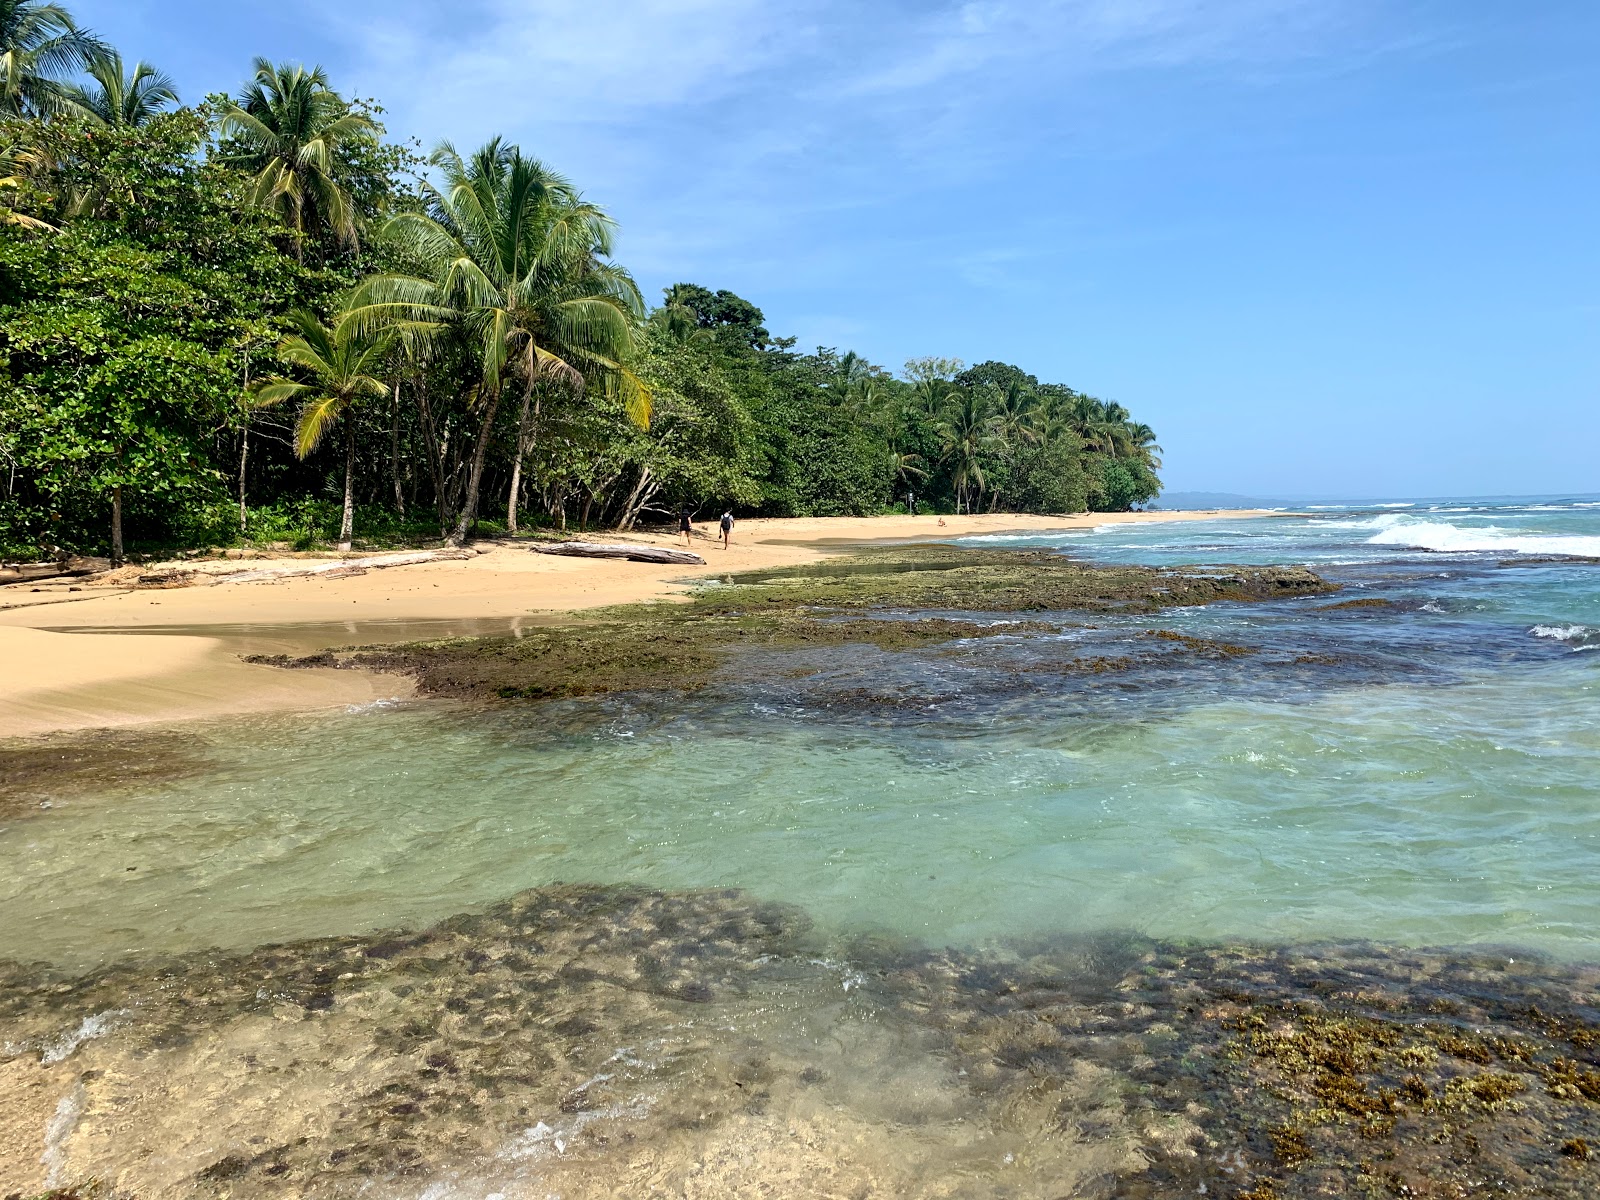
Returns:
point(469, 506)
point(348, 519)
point(643, 492)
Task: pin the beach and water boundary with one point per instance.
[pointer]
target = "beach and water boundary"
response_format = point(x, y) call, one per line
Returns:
point(1010, 877)
point(160, 655)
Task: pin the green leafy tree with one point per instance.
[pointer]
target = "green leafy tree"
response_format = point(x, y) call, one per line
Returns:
point(520, 266)
point(115, 96)
point(123, 340)
point(104, 406)
point(286, 130)
point(40, 47)
point(342, 366)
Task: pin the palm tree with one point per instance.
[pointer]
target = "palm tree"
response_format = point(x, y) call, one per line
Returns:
point(14, 167)
point(1143, 440)
point(288, 127)
point(679, 322)
point(40, 44)
point(520, 265)
point(1017, 421)
point(117, 98)
point(343, 363)
point(1102, 426)
point(964, 434)
point(903, 468)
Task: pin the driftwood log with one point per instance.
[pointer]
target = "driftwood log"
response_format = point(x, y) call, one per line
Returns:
point(633, 553)
point(347, 566)
point(27, 572)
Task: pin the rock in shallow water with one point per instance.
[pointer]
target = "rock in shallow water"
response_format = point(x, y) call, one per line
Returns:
point(588, 1040)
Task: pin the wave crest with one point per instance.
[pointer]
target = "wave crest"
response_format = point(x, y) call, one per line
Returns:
point(1445, 537)
point(1579, 637)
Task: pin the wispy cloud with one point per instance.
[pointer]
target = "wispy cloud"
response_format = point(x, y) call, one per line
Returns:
point(723, 130)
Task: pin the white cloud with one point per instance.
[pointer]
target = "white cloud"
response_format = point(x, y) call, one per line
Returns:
point(744, 136)
point(535, 61)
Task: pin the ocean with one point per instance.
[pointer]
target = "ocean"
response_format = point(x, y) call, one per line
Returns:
point(1408, 768)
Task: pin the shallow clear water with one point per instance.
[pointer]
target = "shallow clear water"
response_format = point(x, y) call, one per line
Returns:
point(1438, 783)
point(939, 979)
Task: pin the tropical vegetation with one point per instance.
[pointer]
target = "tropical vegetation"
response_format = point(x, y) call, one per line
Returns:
point(260, 318)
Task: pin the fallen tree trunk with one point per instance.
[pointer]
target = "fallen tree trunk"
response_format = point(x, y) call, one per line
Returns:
point(633, 553)
point(347, 566)
point(27, 572)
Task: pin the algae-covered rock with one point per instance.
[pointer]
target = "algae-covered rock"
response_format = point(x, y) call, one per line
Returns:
point(892, 600)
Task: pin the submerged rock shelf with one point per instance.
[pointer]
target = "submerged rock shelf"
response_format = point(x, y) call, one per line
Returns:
point(593, 1041)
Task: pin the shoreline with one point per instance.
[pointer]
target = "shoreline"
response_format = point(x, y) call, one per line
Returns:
point(169, 655)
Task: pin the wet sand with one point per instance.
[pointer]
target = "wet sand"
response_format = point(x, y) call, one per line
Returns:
point(56, 678)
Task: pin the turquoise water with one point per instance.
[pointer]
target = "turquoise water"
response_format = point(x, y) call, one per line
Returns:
point(1426, 773)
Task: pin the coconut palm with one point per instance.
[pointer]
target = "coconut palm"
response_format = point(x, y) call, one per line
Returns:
point(1017, 421)
point(904, 468)
point(1016, 414)
point(15, 165)
point(40, 45)
point(1101, 425)
point(678, 321)
point(1143, 440)
point(343, 364)
point(520, 265)
point(287, 128)
point(964, 434)
point(117, 97)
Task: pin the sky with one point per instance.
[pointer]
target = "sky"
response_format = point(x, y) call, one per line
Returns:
point(1330, 247)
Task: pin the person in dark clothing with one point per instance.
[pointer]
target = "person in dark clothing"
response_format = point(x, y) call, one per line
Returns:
point(726, 525)
point(685, 525)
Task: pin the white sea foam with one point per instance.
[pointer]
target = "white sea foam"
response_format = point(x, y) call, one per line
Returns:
point(374, 706)
point(1448, 538)
point(56, 1132)
point(94, 1026)
point(1579, 637)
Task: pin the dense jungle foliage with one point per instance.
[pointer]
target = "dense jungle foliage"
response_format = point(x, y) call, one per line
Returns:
point(261, 319)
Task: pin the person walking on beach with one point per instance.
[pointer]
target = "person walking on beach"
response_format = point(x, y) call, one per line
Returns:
point(685, 525)
point(726, 525)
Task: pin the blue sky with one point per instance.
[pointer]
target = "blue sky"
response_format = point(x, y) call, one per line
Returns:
point(1322, 246)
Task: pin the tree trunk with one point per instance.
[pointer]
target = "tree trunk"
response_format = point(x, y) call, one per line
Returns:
point(394, 453)
point(244, 448)
point(116, 526)
point(643, 492)
point(244, 459)
point(469, 506)
point(430, 433)
point(522, 449)
point(347, 521)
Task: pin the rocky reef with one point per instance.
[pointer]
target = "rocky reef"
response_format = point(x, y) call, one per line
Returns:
point(897, 599)
point(594, 1041)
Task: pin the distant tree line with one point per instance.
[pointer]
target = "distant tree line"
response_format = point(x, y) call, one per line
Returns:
point(261, 319)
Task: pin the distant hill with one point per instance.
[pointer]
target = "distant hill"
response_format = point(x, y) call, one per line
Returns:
point(1177, 500)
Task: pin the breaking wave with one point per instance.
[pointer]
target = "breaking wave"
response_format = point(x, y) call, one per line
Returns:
point(1448, 538)
point(1579, 637)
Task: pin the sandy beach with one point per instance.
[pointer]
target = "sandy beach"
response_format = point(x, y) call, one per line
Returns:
point(109, 656)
